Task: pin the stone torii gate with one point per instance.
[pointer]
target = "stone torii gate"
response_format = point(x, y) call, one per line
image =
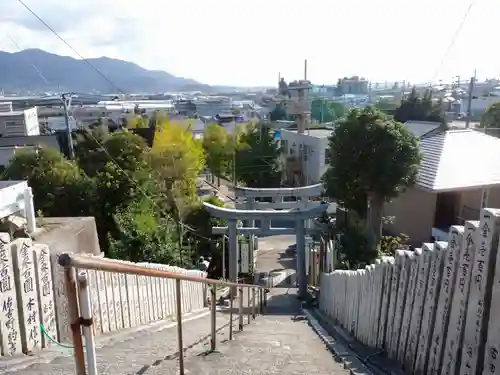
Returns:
point(232, 230)
point(247, 199)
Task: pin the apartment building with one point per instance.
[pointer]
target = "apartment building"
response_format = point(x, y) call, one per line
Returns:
point(18, 123)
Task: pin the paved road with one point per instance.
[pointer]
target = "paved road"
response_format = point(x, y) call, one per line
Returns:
point(280, 342)
point(272, 254)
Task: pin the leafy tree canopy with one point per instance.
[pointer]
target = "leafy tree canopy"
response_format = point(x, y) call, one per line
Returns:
point(138, 195)
point(278, 113)
point(60, 186)
point(219, 147)
point(176, 157)
point(323, 110)
point(491, 117)
point(257, 158)
point(416, 108)
point(143, 235)
point(373, 159)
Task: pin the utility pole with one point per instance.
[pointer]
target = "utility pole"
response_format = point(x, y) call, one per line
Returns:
point(469, 101)
point(68, 125)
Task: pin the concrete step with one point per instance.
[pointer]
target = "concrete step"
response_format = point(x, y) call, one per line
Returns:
point(277, 278)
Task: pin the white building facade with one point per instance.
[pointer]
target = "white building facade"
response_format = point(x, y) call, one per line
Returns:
point(18, 123)
point(309, 150)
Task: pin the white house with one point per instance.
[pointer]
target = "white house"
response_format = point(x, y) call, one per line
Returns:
point(307, 157)
point(308, 150)
point(19, 123)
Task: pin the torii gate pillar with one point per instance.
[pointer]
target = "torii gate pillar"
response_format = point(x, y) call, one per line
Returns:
point(298, 216)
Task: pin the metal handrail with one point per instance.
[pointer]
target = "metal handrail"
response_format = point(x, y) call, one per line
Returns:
point(80, 309)
point(109, 265)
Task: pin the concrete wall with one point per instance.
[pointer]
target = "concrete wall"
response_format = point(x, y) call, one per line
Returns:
point(68, 234)
point(418, 224)
point(422, 205)
point(433, 310)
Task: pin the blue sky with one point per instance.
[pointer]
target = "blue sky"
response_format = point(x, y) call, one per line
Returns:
point(248, 42)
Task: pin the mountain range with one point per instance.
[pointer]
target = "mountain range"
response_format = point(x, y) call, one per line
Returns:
point(37, 70)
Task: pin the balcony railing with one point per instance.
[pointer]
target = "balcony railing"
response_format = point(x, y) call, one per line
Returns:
point(80, 309)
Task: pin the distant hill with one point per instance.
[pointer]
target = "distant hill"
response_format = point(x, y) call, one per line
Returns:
point(24, 71)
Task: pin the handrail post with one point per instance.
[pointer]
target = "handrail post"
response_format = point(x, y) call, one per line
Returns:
point(253, 303)
point(240, 293)
point(179, 324)
point(74, 318)
point(259, 310)
point(249, 304)
point(213, 318)
point(231, 300)
point(86, 312)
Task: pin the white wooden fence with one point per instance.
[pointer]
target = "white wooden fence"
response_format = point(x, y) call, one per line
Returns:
point(32, 292)
point(435, 310)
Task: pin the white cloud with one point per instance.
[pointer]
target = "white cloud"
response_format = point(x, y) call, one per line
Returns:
point(247, 42)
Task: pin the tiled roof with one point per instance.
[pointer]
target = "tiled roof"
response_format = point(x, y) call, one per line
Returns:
point(459, 159)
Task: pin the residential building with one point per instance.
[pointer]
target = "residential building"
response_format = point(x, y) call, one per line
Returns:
point(459, 174)
point(305, 155)
point(18, 123)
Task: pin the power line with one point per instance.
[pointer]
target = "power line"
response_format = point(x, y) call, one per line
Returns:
point(90, 133)
point(70, 46)
point(452, 42)
point(8, 36)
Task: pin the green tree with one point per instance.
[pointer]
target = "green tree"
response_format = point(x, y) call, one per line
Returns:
point(199, 219)
point(416, 108)
point(60, 188)
point(387, 106)
point(491, 117)
point(257, 158)
point(323, 110)
point(144, 235)
point(96, 148)
point(118, 165)
point(355, 250)
point(373, 159)
point(218, 146)
point(176, 160)
point(278, 113)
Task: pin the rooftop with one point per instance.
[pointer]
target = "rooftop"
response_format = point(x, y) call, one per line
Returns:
point(11, 113)
point(420, 128)
point(316, 133)
point(5, 184)
point(459, 159)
